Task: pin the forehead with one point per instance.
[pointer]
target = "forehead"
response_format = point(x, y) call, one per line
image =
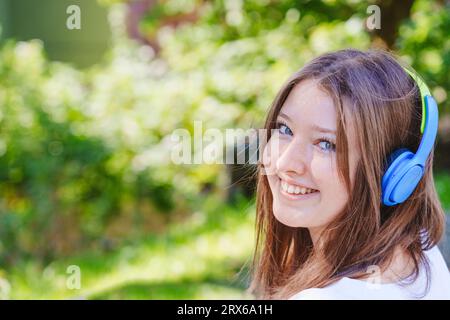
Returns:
point(308, 105)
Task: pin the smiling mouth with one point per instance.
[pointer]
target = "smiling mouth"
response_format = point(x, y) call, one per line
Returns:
point(295, 189)
point(296, 192)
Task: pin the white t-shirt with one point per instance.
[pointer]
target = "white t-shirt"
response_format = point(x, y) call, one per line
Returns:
point(353, 289)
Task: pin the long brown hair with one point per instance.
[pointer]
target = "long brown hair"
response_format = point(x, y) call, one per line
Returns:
point(384, 104)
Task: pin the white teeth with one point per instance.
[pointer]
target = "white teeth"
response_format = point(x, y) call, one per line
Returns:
point(294, 189)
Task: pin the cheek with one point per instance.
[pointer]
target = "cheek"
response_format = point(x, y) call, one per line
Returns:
point(324, 170)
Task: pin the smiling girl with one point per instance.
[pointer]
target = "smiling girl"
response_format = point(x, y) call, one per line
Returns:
point(323, 228)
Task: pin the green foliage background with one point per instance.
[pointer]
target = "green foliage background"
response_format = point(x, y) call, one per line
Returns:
point(85, 168)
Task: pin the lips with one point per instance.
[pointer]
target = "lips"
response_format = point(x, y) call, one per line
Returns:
point(295, 191)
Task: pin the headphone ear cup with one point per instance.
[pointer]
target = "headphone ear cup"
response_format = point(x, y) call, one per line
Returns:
point(396, 162)
point(394, 155)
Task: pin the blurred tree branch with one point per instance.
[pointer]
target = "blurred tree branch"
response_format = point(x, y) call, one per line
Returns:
point(392, 15)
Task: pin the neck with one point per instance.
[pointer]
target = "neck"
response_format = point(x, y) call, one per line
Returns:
point(314, 233)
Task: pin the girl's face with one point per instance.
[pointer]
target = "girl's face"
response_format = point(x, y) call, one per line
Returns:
point(301, 154)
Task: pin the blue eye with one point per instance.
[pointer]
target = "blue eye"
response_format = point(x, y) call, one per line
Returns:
point(283, 128)
point(327, 145)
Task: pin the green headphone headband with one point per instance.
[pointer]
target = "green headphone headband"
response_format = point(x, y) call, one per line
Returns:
point(424, 91)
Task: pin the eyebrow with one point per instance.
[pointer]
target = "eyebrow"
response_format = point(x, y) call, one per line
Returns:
point(313, 127)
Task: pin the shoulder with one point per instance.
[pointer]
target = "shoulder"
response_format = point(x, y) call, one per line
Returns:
point(352, 289)
point(315, 294)
point(346, 288)
point(434, 256)
point(439, 274)
point(340, 290)
point(437, 264)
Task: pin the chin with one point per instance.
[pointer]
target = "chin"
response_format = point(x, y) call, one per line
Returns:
point(291, 219)
point(290, 224)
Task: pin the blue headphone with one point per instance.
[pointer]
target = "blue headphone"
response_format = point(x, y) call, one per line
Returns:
point(405, 168)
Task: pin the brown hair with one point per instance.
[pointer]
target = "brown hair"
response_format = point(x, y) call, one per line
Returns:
point(384, 103)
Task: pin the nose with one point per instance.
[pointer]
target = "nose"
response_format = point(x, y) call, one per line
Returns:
point(293, 159)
